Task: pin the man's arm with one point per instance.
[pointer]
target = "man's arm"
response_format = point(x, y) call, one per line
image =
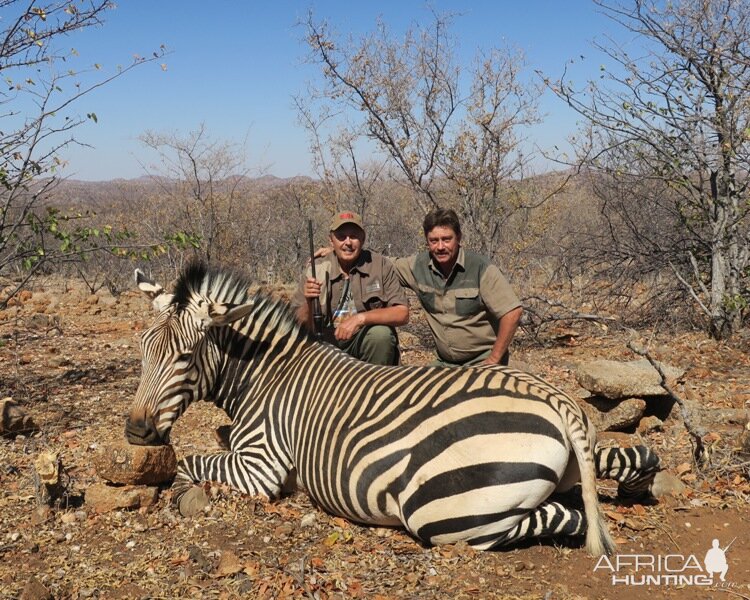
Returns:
point(404, 268)
point(501, 300)
point(393, 316)
point(505, 332)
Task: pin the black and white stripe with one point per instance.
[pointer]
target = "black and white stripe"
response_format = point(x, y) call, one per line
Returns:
point(634, 468)
point(468, 454)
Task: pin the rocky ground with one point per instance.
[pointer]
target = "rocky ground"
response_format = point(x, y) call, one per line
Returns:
point(70, 361)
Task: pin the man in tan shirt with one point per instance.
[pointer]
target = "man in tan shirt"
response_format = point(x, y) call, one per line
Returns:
point(359, 293)
point(470, 307)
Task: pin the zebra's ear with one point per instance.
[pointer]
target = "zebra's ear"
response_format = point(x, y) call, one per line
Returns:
point(216, 314)
point(152, 290)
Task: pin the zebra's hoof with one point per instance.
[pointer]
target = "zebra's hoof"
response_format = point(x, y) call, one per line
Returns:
point(193, 501)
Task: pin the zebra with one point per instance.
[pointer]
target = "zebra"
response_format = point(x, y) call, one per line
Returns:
point(634, 469)
point(472, 454)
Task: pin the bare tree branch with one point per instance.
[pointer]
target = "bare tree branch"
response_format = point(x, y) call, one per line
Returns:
point(696, 431)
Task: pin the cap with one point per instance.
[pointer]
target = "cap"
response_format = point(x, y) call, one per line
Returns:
point(346, 217)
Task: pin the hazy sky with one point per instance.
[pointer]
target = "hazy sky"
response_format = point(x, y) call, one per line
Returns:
point(235, 66)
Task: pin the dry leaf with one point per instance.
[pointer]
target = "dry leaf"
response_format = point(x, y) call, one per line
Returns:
point(620, 540)
point(332, 539)
point(180, 559)
point(615, 516)
point(229, 564)
point(339, 522)
point(252, 568)
point(638, 525)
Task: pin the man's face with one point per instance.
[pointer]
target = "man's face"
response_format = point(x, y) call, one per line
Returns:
point(443, 244)
point(347, 243)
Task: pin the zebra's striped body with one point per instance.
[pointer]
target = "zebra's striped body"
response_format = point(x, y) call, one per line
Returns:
point(468, 454)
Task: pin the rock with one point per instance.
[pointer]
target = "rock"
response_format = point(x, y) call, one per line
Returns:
point(68, 518)
point(193, 501)
point(48, 467)
point(520, 365)
point(49, 470)
point(13, 420)
point(613, 379)
point(108, 301)
point(615, 415)
point(723, 416)
point(309, 520)
point(103, 498)
point(41, 515)
point(665, 483)
point(40, 321)
point(649, 424)
point(283, 531)
point(229, 564)
point(617, 438)
point(125, 463)
point(33, 590)
point(743, 440)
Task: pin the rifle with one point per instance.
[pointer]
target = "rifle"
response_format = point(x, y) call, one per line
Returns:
point(730, 543)
point(317, 313)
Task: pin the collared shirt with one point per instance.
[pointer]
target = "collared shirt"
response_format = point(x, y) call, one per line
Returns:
point(464, 309)
point(374, 283)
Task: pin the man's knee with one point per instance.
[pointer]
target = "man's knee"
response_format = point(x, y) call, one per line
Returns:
point(380, 334)
point(379, 345)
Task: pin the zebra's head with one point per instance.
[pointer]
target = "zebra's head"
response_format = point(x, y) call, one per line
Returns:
point(177, 360)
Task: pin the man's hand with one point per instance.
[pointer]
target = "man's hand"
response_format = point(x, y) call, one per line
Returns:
point(348, 328)
point(311, 289)
point(322, 252)
point(505, 331)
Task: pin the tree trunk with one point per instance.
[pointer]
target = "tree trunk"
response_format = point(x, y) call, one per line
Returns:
point(719, 321)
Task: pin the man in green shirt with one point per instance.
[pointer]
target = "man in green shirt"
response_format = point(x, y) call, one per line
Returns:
point(471, 308)
point(359, 293)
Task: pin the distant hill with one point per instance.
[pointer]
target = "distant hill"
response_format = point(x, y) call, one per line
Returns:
point(99, 194)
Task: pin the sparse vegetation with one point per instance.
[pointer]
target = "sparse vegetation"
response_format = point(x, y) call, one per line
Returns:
point(647, 230)
point(38, 121)
point(667, 155)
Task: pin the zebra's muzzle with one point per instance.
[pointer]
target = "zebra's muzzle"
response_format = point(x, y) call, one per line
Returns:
point(140, 430)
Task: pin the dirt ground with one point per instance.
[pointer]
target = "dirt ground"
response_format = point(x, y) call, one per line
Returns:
point(71, 360)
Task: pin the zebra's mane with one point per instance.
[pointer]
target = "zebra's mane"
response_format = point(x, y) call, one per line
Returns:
point(219, 284)
point(223, 284)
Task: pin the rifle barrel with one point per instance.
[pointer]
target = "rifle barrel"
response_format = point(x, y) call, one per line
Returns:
point(312, 247)
point(317, 312)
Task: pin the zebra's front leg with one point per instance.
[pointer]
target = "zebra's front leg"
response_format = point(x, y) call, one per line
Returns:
point(249, 471)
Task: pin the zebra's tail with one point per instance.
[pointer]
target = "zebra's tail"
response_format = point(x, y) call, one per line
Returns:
point(598, 540)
